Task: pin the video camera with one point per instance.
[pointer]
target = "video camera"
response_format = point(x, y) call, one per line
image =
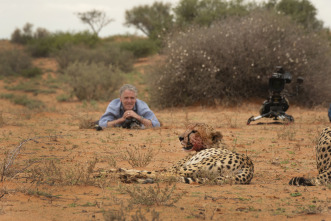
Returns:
point(277, 104)
point(278, 80)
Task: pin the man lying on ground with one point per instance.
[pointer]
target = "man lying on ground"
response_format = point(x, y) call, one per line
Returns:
point(128, 111)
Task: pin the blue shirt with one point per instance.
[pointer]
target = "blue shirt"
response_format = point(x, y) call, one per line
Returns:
point(329, 113)
point(115, 111)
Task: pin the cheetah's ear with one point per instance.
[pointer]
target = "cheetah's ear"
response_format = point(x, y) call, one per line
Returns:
point(216, 136)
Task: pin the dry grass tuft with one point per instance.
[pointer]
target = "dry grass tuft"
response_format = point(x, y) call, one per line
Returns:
point(53, 172)
point(86, 123)
point(139, 156)
point(2, 121)
point(287, 133)
point(151, 196)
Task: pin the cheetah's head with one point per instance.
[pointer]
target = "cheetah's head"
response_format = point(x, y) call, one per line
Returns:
point(199, 136)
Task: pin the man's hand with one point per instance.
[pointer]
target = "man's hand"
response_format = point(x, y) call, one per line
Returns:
point(131, 113)
point(141, 119)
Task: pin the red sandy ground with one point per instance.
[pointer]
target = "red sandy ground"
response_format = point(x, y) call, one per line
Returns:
point(278, 151)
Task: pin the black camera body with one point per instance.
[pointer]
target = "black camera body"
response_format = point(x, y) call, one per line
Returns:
point(131, 123)
point(278, 80)
point(277, 104)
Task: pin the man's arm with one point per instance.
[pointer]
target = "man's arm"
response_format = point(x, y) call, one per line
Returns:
point(147, 114)
point(114, 122)
point(130, 113)
point(144, 121)
point(111, 114)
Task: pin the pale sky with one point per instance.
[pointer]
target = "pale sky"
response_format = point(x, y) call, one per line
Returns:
point(59, 15)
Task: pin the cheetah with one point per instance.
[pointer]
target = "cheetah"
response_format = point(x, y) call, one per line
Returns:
point(209, 158)
point(323, 159)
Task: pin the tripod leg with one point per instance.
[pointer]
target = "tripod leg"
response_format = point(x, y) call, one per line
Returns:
point(252, 118)
point(289, 117)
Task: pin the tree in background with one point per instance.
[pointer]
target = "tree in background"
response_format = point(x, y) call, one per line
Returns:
point(96, 19)
point(205, 12)
point(22, 36)
point(159, 18)
point(152, 20)
point(301, 11)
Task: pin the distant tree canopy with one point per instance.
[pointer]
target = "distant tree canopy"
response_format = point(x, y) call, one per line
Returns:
point(157, 19)
point(151, 20)
point(96, 19)
point(301, 11)
point(204, 12)
point(22, 36)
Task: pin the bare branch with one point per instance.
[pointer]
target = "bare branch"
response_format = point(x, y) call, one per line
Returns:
point(97, 20)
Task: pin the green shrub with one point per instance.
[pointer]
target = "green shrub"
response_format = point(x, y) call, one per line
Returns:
point(63, 97)
point(233, 60)
point(19, 38)
point(140, 47)
point(44, 46)
point(31, 72)
point(17, 63)
point(31, 86)
point(22, 36)
point(107, 54)
point(23, 100)
point(94, 81)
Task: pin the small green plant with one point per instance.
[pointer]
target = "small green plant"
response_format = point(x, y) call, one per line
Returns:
point(295, 194)
point(63, 97)
point(89, 204)
point(285, 162)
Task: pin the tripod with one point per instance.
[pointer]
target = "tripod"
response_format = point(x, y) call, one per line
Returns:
point(274, 107)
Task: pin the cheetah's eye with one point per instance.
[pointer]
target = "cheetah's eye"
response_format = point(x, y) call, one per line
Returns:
point(194, 131)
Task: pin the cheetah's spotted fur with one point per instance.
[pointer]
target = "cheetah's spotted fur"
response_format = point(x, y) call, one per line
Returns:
point(323, 159)
point(211, 158)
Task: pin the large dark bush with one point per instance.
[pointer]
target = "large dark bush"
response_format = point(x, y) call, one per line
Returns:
point(17, 63)
point(94, 81)
point(106, 54)
point(233, 59)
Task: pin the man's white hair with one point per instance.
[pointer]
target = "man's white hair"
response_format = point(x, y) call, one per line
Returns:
point(128, 87)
